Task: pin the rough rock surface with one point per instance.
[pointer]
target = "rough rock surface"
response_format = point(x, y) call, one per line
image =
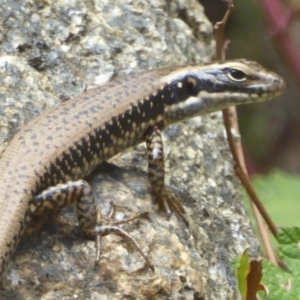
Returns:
point(50, 52)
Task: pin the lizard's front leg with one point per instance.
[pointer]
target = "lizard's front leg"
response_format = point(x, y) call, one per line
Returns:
point(156, 172)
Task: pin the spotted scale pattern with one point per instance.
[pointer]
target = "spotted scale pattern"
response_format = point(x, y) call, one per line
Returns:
point(66, 143)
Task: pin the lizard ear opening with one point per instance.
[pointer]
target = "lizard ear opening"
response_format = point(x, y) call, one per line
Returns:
point(191, 84)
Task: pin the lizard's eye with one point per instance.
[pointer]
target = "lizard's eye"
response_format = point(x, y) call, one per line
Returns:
point(237, 75)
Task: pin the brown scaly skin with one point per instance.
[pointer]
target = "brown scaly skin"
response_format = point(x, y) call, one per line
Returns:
point(44, 164)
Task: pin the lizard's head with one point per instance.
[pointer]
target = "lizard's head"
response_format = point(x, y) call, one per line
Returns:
point(200, 89)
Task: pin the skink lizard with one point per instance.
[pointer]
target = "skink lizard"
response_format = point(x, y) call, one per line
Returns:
point(43, 167)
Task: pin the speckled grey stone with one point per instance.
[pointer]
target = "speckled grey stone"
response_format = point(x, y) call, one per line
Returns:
point(53, 50)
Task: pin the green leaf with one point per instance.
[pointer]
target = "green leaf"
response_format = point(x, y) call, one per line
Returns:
point(242, 273)
point(249, 275)
point(282, 284)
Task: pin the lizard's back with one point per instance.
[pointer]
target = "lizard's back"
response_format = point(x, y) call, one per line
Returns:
point(67, 143)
